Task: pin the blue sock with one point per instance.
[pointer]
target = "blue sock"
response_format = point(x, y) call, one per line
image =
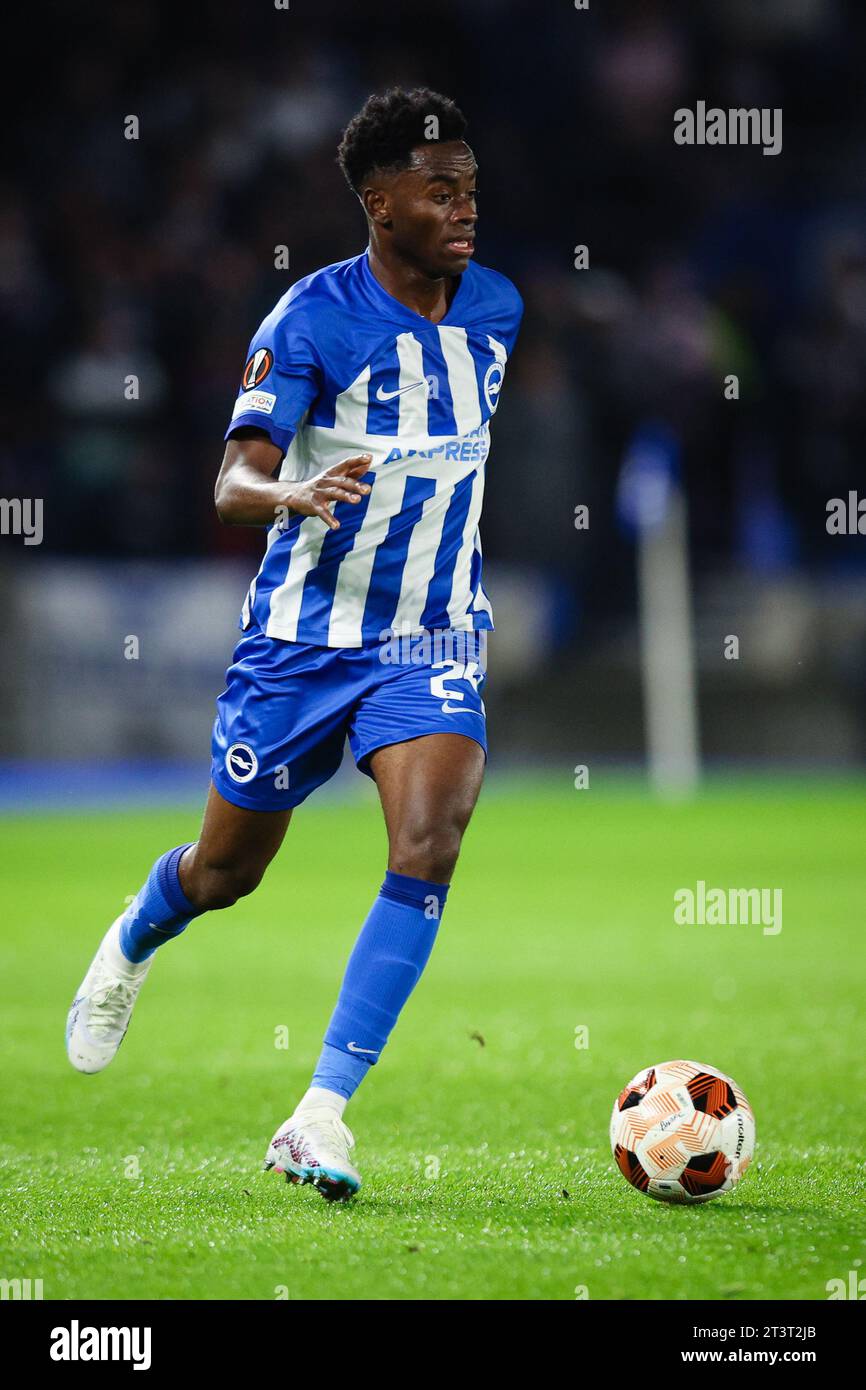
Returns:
point(159, 911)
point(386, 964)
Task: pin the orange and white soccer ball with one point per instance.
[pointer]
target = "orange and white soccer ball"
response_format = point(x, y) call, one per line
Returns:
point(682, 1132)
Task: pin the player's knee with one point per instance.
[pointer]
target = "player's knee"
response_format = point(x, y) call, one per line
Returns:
point(215, 886)
point(429, 852)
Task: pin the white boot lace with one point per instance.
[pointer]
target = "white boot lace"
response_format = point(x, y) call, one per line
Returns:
point(110, 1006)
point(328, 1125)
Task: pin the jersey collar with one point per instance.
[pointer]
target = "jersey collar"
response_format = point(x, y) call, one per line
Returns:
point(396, 309)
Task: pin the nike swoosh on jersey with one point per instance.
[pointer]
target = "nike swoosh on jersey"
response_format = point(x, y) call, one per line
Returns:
point(383, 395)
point(448, 708)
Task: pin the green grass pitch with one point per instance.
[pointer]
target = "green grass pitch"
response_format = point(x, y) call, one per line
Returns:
point(482, 1134)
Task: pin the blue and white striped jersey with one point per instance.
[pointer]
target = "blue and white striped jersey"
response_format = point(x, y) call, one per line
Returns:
point(340, 367)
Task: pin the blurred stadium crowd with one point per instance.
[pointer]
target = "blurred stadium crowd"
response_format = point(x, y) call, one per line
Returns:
point(155, 257)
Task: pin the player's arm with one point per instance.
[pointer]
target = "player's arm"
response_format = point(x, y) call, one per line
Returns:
point(248, 494)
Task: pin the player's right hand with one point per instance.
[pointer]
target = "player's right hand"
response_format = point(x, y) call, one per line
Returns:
point(339, 483)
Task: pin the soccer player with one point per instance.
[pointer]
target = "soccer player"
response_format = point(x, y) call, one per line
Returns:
point(359, 437)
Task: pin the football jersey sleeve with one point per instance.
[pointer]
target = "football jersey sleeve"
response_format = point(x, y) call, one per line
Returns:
point(281, 379)
point(513, 317)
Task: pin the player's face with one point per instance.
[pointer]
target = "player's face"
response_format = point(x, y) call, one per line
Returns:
point(432, 208)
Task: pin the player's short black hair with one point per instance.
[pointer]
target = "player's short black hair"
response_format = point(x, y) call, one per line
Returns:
point(389, 126)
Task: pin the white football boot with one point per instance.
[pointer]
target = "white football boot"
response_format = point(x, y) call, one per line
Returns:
point(99, 1014)
point(313, 1146)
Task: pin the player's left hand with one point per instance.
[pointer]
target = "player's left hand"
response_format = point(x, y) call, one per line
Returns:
point(339, 483)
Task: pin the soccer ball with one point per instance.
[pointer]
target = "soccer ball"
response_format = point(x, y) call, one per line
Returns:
point(682, 1132)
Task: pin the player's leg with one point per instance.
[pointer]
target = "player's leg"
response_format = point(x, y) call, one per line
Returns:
point(225, 863)
point(278, 735)
point(229, 859)
point(428, 787)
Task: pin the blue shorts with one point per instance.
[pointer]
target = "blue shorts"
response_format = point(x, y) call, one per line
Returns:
point(283, 717)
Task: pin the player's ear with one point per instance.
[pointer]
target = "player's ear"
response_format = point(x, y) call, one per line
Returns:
point(377, 206)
